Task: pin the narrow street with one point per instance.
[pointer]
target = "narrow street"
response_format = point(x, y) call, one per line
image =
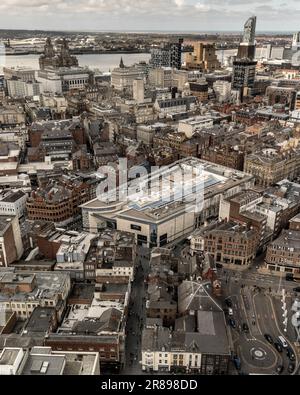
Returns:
point(137, 315)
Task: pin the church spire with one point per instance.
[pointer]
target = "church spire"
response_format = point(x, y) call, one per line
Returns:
point(122, 66)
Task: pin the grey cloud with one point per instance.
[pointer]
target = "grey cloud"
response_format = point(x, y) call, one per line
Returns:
point(145, 14)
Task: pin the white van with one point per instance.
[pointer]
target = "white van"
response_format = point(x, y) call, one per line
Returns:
point(283, 341)
point(230, 311)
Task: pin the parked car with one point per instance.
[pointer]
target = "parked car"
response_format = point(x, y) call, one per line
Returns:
point(232, 323)
point(278, 347)
point(268, 338)
point(228, 302)
point(219, 265)
point(237, 362)
point(245, 327)
point(290, 354)
point(279, 369)
point(230, 311)
point(291, 367)
point(297, 289)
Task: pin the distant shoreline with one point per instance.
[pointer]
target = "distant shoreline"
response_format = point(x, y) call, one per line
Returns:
point(132, 31)
point(78, 53)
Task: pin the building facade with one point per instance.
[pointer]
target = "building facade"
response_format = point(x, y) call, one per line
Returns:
point(55, 59)
point(169, 55)
point(203, 58)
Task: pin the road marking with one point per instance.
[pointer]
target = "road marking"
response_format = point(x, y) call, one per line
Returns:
point(279, 329)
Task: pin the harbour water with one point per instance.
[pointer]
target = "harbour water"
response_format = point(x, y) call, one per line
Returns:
point(103, 62)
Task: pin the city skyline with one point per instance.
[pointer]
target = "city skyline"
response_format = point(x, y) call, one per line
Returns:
point(145, 15)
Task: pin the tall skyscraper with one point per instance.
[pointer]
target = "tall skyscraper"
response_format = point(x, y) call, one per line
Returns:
point(244, 66)
point(243, 74)
point(169, 55)
point(247, 46)
point(296, 41)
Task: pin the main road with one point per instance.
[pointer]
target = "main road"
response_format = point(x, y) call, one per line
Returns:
point(260, 309)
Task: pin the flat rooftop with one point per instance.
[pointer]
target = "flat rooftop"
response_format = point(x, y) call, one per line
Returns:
point(296, 218)
point(82, 291)
point(13, 197)
point(8, 356)
point(49, 284)
point(169, 189)
point(44, 364)
point(245, 197)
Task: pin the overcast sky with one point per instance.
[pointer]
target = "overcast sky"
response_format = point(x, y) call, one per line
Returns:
point(145, 15)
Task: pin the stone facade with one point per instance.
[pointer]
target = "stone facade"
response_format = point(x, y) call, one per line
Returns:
point(54, 59)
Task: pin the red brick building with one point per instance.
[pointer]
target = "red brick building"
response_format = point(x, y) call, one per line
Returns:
point(58, 202)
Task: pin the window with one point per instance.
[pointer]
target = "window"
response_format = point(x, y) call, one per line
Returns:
point(135, 227)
